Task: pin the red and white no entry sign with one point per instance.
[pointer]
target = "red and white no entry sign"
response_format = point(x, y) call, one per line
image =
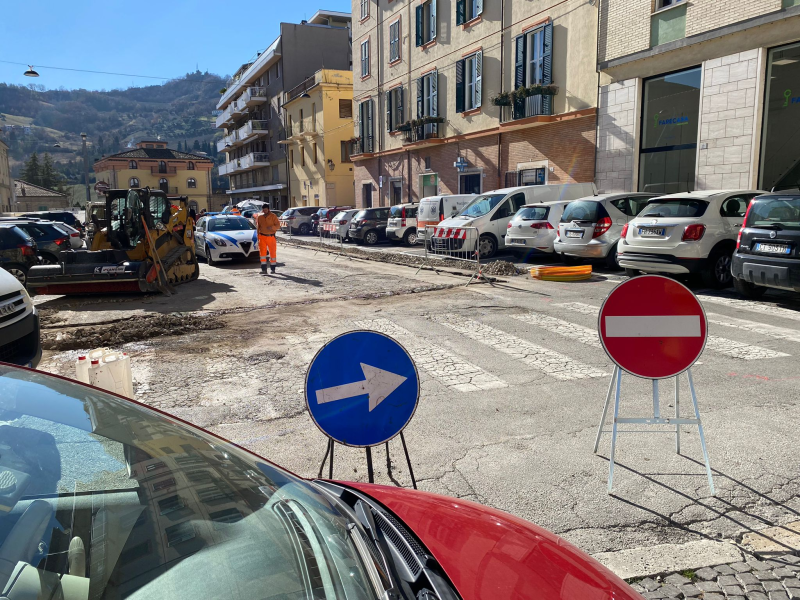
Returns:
point(653, 327)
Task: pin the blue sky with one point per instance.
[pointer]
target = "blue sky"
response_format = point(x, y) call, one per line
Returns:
point(164, 38)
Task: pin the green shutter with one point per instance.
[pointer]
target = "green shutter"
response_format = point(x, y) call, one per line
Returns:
point(461, 10)
point(389, 111)
point(547, 67)
point(478, 78)
point(420, 99)
point(460, 66)
point(433, 20)
point(419, 25)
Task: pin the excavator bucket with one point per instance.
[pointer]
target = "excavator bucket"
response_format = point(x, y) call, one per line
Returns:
point(144, 243)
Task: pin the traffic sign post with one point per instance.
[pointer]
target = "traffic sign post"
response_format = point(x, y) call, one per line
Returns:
point(362, 389)
point(655, 328)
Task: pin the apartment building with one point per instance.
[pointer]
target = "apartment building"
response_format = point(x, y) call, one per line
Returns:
point(250, 108)
point(466, 96)
point(698, 95)
point(152, 164)
point(319, 117)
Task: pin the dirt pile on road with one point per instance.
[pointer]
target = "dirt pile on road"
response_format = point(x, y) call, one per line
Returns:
point(125, 331)
point(500, 267)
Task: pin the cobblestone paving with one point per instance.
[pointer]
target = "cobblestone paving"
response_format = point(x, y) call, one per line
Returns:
point(552, 363)
point(772, 579)
point(446, 367)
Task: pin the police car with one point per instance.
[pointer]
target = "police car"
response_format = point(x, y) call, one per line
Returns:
point(224, 237)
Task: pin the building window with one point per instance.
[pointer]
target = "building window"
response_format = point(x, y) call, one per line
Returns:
point(345, 109)
point(469, 80)
point(291, 158)
point(314, 149)
point(394, 41)
point(266, 77)
point(426, 22)
point(190, 166)
point(427, 96)
point(780, 145)
point(275, 174)
point(132, 165)
point(364, 9)
point(533, 65)
point(314, 116)
point(659, 4)
point(133, 182)
point(394, 108)
point(191, 182)
point(365, 125)
point(302, 156)
point(365, 58)
point(162, 166)
point(466, 10)
point(302, 122)
point(345, 150)
point(670, 111)
point(163, 185)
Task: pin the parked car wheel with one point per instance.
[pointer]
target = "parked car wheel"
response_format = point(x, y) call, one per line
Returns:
point(49, 259)
point(487, 246)
point(410, 238)
point(304, 229)
point(718, 274)
point(747, 289)
point(632, 272)
point(18, 271)
point(209, 260)
point(611, 259)
point(371, 238)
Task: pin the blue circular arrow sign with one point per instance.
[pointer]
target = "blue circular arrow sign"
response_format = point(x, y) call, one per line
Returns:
point(362, 388)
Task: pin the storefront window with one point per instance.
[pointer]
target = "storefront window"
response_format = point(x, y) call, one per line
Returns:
point(780, 144)
point(668, 150)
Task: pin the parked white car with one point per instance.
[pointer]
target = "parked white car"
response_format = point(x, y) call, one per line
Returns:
point(534, 228)
point(341, 223)
point(402, 224)
point(75, 240)
point(225, 237)
point(20, 341)
point(435, 209)
point(490, 213)
point(693, 232)
point(591, 227)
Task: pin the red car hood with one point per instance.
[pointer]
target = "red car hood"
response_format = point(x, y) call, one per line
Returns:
point(491, 555)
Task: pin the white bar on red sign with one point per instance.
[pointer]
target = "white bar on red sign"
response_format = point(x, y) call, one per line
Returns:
point(653, 326)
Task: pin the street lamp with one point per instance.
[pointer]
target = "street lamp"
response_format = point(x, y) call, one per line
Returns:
point(331, 165)
point(86, 169)
point(30, 72)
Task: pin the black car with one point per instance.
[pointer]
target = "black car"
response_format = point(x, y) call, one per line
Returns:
point(369, 226)
point(62, 216)
point(17, 251)
point(50, 240)
point(768, 249)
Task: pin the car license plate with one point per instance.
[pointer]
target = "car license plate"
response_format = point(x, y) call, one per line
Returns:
point(652, 231)
point(517, 241)
point(772, 248)
point(575, 234)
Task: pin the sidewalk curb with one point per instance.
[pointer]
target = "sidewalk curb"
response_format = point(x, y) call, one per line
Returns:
point(669, 558)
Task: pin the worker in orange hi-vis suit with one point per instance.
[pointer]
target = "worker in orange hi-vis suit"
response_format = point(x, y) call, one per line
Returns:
point(267, 224)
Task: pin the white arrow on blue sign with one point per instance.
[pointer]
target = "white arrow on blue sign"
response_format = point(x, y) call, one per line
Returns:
point(362, 388)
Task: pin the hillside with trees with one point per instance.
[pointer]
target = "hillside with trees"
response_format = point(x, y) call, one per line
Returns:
point(48, 123)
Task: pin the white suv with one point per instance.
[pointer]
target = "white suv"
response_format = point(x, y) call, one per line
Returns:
point(20, 342)
point(402, 224)
point(693, 232)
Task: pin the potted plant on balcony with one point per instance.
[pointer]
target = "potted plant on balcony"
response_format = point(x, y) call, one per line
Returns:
point(405, 127)
point(503, 99)
point(537, 89)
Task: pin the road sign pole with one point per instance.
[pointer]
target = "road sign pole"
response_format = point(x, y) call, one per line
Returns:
point(408, 460)
point(656, 407)
point(605, 408)
point(614, 432)
point(678, 415)
point(702, 435)
point(330, 467)
point(369, 465)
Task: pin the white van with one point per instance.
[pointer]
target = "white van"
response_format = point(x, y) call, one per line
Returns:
point(491, 212)
point(434, 209)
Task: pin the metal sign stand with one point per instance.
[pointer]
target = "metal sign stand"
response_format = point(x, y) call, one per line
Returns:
point(657, 419)
point(370, 472)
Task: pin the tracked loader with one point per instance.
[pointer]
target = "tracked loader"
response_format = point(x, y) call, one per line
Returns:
point(144, 243)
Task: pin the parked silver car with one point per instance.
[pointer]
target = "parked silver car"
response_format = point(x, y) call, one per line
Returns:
point(591, 227)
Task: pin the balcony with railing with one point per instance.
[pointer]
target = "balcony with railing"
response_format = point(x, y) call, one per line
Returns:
point(525, 103)
point(228, 142)
point(254, 95)
point(163, 170)
point(431, 130)
point(252, 129)
point(225, 118)
point(253, 160)
point(363, 146)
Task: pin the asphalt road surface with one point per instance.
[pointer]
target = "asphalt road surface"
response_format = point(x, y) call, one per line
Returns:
point(513, 385)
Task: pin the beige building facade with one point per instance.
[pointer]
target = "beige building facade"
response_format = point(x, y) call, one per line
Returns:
point(319, 114)
point(698, 95)
point(6, 185)
point(503, 88)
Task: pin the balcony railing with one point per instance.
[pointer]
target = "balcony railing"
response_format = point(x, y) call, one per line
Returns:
point(254, 160)
point(225, 118)
point(252, 129)
point(532, 106)
point(428, 131)
point(171, 190)
point(254, 95)
point(226, 168)
point(163, 171)
point(228, 142)
point(363, 145)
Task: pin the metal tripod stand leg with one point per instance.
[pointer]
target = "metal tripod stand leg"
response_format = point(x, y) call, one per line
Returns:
point(677, 414)
point(614, 433)
point(605, 408)
point(702, 435)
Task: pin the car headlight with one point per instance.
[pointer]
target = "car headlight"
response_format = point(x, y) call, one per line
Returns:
point(219, 242)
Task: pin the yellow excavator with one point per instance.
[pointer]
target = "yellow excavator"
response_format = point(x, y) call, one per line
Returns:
point(144, 243)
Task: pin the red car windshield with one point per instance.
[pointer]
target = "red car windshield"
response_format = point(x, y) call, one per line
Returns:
point(103, 498)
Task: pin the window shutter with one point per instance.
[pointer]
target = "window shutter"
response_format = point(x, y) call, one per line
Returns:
point(547, 67)
point(433, 19)
point(519, 63)
point(370, 128)
point(360, 124)
point(478, 77)
point(460, 66)
point(461, 9)
point(420, 98)
point(478, 7)
point(420, 25)
point(389, 111)
point(434, 94)
point(399, 116)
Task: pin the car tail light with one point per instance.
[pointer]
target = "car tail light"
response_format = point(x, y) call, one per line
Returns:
point(739, 239)
point(602, 226)
point(441, 217)
point(76, 234)
point(403, 217)
point(509, 225)
point(544, 225)
point(625, 230)
point(343, 222)
point(744, 224)
point(290, 218)
point(693, 233)
point(61, 241)
point(27, 250)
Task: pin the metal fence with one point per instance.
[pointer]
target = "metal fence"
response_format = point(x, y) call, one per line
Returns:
point(460, 243)
point(326, 231)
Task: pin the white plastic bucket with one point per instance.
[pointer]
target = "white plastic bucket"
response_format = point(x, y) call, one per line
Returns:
point(114, 374)
point(82, 369)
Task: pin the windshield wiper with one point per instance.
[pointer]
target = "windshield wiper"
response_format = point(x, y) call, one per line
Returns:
point(654, 215)
point(364, 512)
point(774, 226)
